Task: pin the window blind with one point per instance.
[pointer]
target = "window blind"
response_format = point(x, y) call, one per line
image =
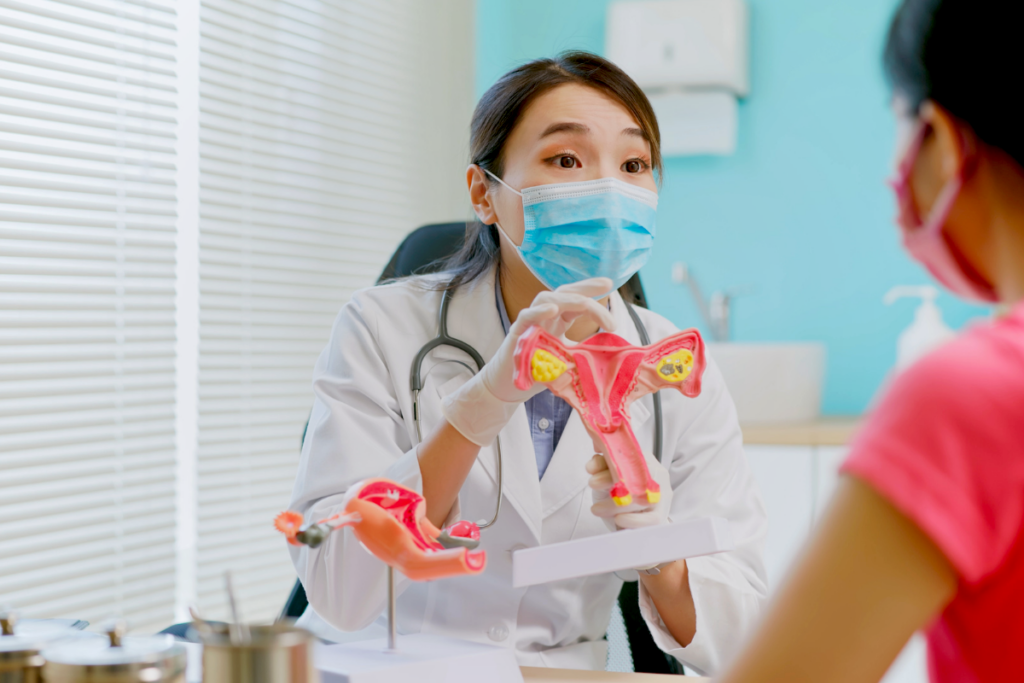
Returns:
point(87, 217)
point(324, 127)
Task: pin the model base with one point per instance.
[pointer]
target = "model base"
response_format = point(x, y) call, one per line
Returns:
point(418, 657)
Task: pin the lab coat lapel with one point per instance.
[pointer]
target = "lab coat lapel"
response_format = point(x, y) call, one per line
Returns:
point(473, 317)
point(522, 483)
point(566, 473)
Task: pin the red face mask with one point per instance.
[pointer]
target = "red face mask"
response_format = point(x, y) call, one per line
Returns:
point(926, 240)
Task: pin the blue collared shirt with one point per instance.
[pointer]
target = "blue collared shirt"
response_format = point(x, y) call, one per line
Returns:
point(546, 413)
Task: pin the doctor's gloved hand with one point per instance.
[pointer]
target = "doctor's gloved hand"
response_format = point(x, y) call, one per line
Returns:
point(482, 407)
point(635, 514)
point(555, 312)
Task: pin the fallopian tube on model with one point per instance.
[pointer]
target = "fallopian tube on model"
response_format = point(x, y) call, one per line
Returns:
point(388, 519)
point(600, 378)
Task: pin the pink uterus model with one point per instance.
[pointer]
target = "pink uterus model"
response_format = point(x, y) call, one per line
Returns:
point(601, 378)
point(390, 521)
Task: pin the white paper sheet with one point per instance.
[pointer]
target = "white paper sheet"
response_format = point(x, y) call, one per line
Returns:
point(621, 550)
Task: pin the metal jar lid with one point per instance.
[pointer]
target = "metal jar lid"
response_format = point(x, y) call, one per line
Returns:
point(22, 640)
point(118, 659)
point(279, 634)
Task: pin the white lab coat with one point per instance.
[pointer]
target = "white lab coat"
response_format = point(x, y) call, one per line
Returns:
point(361, 426)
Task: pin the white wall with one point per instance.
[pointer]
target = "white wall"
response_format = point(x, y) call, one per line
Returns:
point(326, 133)
point(448, 99)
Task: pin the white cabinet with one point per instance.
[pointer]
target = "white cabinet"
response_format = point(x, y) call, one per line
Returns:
point(826, 463)
point(796, 484)
point(785, 476)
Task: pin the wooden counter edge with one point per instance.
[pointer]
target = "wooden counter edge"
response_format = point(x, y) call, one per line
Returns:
point(534, 674)
point(827, 431)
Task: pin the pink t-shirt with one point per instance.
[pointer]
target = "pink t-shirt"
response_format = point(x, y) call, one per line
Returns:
point(946, 447)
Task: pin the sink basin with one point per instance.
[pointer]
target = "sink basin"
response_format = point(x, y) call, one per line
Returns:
point(773, 383)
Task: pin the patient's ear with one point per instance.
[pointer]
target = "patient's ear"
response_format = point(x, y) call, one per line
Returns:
point(953, 141)
point(953, 149)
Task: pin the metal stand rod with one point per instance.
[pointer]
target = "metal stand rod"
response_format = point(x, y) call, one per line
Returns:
point(392, 611)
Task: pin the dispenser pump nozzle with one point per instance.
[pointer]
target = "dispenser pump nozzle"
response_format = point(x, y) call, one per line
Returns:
point(926, 332)
point(926, 293)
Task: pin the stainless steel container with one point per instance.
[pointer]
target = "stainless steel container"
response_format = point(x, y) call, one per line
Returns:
point(279, 653)
point(19, 659)
point(116, 659)
point(22, 641)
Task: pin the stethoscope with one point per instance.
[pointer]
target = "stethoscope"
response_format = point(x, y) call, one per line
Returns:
point(445, 339)
point(416, 384)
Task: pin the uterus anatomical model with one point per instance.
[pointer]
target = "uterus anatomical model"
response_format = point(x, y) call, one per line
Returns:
point(600, 378)
point(389, 520)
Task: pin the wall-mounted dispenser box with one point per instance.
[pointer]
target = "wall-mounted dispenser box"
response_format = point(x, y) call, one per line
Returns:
point(692, 59)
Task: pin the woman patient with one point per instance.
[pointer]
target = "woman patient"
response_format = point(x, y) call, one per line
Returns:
point(925, 529)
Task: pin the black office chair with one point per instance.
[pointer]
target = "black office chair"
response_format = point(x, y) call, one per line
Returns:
point(424, 250)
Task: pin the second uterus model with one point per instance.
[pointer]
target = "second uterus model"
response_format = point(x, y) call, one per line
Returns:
point(390, 521)
point(600, 378)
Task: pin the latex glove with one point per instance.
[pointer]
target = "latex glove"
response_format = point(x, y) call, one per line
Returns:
point(482, 407)
point(635, 514)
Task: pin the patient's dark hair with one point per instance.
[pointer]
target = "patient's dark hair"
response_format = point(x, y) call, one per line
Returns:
point(501, 108)
point(964, 55)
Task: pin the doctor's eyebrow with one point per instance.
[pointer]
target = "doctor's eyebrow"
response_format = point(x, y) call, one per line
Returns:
point(583, 129)
point(635, 132)
point(566, 127)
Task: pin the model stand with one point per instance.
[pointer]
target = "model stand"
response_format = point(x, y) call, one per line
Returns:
point(388, 519)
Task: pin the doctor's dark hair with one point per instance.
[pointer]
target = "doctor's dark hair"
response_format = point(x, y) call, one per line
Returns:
point(499, 111)
point(965, 56)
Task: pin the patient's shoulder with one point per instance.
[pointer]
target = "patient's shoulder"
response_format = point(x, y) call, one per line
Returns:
point(986, 364)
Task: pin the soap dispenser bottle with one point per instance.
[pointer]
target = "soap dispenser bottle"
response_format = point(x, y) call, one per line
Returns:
point(928, 330)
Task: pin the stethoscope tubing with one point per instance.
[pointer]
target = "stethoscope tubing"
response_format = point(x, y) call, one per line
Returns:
point(416, 385)
point(655, 397)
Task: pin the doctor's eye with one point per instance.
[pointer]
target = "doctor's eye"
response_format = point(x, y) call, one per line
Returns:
point(567, 161)
point(635, 166)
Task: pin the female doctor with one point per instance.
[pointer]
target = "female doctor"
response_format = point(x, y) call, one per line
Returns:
point(555, 144)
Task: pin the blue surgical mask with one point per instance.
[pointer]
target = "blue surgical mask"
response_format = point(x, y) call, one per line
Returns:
point(595, 228)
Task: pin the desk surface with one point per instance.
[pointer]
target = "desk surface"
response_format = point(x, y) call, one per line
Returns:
point(541, 675)
point(826, 431)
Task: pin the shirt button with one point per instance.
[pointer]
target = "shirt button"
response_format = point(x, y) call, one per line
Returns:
point(544, 424)
point(497, 633)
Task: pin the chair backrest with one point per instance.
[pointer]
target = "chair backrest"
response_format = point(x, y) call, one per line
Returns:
point(424, 250)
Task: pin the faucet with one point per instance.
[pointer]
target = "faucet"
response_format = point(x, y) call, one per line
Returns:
point(714, 311)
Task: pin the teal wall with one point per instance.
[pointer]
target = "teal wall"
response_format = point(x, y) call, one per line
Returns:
point(800, 212)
